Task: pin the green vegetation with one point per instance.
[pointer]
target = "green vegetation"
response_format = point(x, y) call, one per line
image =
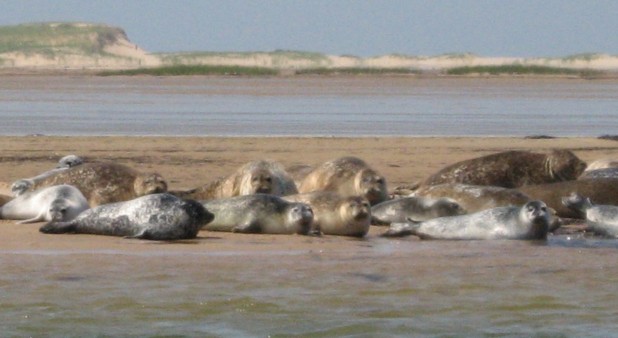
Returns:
point(279, 57)
point(194, 70)
point(517, 69)
point(356, 71)
point(56, 38)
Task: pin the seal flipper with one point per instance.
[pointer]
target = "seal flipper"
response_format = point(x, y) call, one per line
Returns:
point(38, 218)
point(57, 228)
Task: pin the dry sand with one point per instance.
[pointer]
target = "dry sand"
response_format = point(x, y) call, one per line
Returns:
point(188, 162)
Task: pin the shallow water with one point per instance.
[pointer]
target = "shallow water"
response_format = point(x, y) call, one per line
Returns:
point(385, 287)
point(307, 106)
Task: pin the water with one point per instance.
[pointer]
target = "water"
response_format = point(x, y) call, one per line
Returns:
point(373, 287)
point(307, 106)
point(291, 286)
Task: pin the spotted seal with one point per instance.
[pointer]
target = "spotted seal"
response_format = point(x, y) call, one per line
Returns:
point(601, 219)
point(348, 176)
point(528, 222)
point(511, 169)
point(255, 177)
point(416, 208)
point(107, 182)
point(600, 190)
point(154, 217)
point(56, 203)
point(20, 186)
point(259, 213)
point(334, 214)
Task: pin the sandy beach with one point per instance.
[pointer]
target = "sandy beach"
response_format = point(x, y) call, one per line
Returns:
point(188, 162)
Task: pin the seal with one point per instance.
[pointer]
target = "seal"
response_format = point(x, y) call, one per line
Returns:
point(153, 217)
point(348, 176)
point(511, 169)
point(416, 208)
point(107, 182)
point(58, 203)
point(600, 190)
point(474, 198)
point(259, 213)
point(528, 222)
point(601, 219)
point(334, 214)
point(602, 164)
point(256, 177)
point(20, 186)
point(599, 173)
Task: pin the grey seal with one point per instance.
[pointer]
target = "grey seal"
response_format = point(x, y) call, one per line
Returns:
point(348, 176)
point(338, 215)
point(529, 222)
point(511, 169)
point(20, 186)
point(56, 203)
point(416, 208)
point(601, 219)
point(255, 177)
point(154, 217)
point(259, 213)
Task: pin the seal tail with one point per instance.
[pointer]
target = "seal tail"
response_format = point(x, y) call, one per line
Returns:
point(57, 228)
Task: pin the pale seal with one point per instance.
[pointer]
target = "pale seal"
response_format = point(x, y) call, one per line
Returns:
point(529, 222)
point(601, 219)
point(415, 208)
point(599, 173)
point(475, 198)
point(348, 176)
point(107, 182)
point(334, 214)
point(259, 213)
point(600, 190)
point(20, 186)
point(255, 177)
point(511, 169)
point(153, 217)
point(56, 203)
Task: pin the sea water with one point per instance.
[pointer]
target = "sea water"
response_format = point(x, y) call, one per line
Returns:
point(307, 106)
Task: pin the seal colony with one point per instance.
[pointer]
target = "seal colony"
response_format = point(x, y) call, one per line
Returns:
point(330, 198)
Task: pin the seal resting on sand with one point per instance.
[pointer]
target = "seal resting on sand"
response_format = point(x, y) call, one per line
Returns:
point(348, 176)
point(601, 219)
point(107, 182)
point(600, 190)
point(154, 217)
point(416, 208)
point(528, 222)
point(256, 177)
point(511, 169)
point(334, 214)
point(56, 203)
point(474, 198)
point(259, 213)
point(20, 186)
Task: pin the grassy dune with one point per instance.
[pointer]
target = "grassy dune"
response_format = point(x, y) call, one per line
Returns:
point(194, 70)
point(517, 69)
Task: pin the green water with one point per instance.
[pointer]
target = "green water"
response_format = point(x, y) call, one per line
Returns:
point(375, 287)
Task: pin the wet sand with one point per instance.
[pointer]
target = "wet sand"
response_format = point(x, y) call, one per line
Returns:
point(188, 162)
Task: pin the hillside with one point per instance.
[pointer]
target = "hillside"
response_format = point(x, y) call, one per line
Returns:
point(87, 46)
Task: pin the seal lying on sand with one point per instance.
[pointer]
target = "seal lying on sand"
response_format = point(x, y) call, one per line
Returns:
point(256, 177)
point(511, 169)
point(334, 214)
point(20, 186)
point(474, 198)
point(416, 208)
point(531, 222)
point(259, 213)
point(601, 219)
point(107, 182)
point(600, 190)
point(155, 217)
point(56, 203)
point(348, 176)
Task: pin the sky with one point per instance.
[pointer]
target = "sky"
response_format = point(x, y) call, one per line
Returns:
point(523, 28)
